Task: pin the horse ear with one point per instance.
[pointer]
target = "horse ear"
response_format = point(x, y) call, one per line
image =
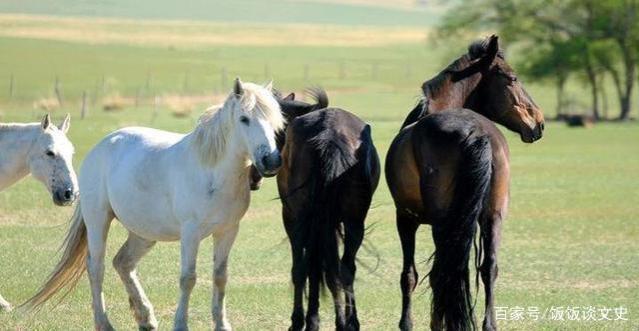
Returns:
point(289, 97)
point(237, 88)
point(46, 122)
point(269, 86)
point(482, 64)
point(493, 48)
point(66, 123)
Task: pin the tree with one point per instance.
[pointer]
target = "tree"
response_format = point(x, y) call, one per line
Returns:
point(591, 36)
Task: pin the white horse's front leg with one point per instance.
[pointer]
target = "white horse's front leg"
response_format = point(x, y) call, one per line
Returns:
point(223, 243)
point(189, 242)
point(4, 305)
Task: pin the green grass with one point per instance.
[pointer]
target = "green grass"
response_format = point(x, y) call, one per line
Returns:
point(570, 238)
point(254, 11)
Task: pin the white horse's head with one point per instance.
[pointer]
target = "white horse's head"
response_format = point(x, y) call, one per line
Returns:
point(50, 161)
point(258, 117)
point(251, 117)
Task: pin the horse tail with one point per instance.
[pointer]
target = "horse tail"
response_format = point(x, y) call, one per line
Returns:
point(72, 265)
point(454, 235)
point(332, 160)
point(319, 95)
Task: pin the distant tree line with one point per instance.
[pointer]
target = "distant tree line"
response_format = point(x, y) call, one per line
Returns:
point(589, 38)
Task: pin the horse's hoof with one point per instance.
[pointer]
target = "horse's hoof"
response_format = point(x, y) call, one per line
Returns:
point(224, 327)
point(6, 307)
point(352, 325)
point(106, 327)
point(148, 328)
point(487, 326)
point(406, 325)
point(297, 326)
point(312, 324)
point(150, 324)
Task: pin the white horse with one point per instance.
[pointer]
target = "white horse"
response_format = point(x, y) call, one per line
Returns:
point(43, 150)
point(165, 186)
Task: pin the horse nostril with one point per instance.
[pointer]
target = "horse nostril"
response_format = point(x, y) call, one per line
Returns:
point(265, 162)
point(542, 126)
point(277, 160)
point(68, 194)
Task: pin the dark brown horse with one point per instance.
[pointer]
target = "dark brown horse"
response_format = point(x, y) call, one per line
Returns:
point(330, 171)
point(448, 167)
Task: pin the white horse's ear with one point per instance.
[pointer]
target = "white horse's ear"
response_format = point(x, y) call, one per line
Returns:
point(66, 123)
point(237, 88)
point(269, 86)
point(46, 122)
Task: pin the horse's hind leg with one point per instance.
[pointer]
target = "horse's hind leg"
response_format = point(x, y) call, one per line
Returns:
point(490, 236)
point(490, 227)
point(4, 305)
point(223, 244)
point(97, 221)
point(125, 262)
point(312, 314)
point(407, 227)
point(353, 237)
point(334, 283)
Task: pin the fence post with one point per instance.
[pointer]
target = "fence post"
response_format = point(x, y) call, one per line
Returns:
point(103, 84)
point(147, 85)
point(11, 86)
point(307, 71)
point(137, 97)
point(156, 102)
point(224, 79)
point(84, 107)
point(56, 90)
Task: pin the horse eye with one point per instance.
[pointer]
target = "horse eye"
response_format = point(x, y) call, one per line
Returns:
point(244, 120)
point(50, 153)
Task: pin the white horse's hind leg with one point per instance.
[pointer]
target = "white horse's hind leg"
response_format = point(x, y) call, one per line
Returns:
point(97, 223)
point(125, 262)
point(189, 244)
point(223, 244)
point(4, 305)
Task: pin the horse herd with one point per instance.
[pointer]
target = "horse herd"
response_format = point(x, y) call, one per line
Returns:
point(447, 167)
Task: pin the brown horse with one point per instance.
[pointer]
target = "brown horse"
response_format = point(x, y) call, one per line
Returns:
point(448, 167)
point(329, 173)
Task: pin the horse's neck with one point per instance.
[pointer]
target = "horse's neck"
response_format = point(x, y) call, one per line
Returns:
point(15, 142)
point(454, 95)
point(233, 165)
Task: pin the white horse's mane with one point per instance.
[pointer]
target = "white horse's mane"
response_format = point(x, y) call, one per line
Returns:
point(215, 124)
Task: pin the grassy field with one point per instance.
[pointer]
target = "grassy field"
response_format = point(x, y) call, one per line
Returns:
point(345, 12)
point(570, 238)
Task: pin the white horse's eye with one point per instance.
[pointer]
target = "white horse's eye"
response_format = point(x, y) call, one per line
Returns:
point(50, 153)
point(244, 120)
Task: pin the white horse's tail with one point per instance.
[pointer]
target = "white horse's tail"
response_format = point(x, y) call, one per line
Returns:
point(68, 271)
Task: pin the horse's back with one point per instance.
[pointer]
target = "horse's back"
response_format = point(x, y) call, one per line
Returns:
point(424, 159)
point(334, 147)
point(128, 170)
point(338, 141)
